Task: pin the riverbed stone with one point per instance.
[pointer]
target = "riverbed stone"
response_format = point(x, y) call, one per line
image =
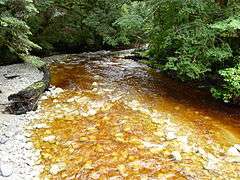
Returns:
point(94, 84)
point(57, 168)
point(233, 151)
point(176, 156)
point(40, 126)
point(211, 165)
point(233, 159)
point(237, 146)
point(6, 169)
point(97, 77)
point(44, 98)
point(183, 139)
point(3, 139)
point(50, 138)
point(170, 135)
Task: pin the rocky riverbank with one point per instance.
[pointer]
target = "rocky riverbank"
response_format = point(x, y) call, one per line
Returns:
point(17, 155)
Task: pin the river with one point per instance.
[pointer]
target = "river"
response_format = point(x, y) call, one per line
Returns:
point(120, 119)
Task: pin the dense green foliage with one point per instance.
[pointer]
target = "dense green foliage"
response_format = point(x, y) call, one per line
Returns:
point(192, 40)
point(14, 31)
point(199, 41)
point(76, 24)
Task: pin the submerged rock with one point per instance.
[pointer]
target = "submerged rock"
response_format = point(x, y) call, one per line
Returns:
point(56, 168)
point(237, 146)
point(233, 151)
point(50, 139)
point(233, 159)
point(211, 165)
point(170, 135)
point(176, 156)
point(94, 84)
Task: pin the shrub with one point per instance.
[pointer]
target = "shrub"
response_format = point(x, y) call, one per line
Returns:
point(199, 41)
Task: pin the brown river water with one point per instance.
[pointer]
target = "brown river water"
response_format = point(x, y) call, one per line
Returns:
point(119, 119)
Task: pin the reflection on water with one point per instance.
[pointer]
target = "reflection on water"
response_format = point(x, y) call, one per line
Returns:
point(118, 119)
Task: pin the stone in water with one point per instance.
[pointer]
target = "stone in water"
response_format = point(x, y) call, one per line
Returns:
point(176, 156)
point(232, 151)
point(49, 138)
point(56, 168)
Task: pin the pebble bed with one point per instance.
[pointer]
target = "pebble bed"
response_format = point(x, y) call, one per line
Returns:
point(17, 156)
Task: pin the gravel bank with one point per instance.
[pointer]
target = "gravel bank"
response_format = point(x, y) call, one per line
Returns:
point(17, 155)
point(14, 78)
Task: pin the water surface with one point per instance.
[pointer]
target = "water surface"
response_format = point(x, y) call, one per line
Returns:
point(113, 118)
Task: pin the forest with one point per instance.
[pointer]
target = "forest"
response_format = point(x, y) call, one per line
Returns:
point(119, 89)
point(190, 40)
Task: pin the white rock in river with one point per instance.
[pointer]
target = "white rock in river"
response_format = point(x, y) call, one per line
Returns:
point(183, 139)
point(94, 84)
point(58, 90)
point(233, 159)
point(211, 165)
point(186, 148)
point(6, 169)
point(44, 98)
point(40, 126)
point(49, 138)
point(237, 146)
point(233, 151)
point(176, 156)
point(56, 168)
point(97, 77)
point(171, 135)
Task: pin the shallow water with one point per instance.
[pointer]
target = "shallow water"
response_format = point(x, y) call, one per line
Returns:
point(113, 121)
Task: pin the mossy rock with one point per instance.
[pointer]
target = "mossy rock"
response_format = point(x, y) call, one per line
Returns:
point(27, 99)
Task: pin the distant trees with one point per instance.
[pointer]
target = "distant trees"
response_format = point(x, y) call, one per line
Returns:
point(193, 40)
point(73, 23)
point(199, 41)
point(14, 31)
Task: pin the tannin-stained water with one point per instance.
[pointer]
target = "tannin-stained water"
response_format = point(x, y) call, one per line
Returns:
point(118, 119)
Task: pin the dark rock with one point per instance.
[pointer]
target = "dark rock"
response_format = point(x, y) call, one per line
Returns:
point(27, 99)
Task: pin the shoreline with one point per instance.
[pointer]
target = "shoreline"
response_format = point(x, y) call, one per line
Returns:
point(17, 155)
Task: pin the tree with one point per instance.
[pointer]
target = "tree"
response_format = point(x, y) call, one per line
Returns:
point(79, 24)
point(199, 41)
point(14, 31)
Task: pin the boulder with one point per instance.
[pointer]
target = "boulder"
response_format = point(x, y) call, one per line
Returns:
point(27, 99)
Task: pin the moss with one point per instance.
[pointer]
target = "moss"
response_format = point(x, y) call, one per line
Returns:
point(35, 61)
point(37, 85)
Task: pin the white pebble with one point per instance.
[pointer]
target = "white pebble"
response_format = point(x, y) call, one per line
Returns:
point(49, 138)
point(40, 126)
point(56, 168)
point(176, 156)
point(237, 146)
point(6, 169)
point(171, 135)
point(44, 98)
point(232, 151)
